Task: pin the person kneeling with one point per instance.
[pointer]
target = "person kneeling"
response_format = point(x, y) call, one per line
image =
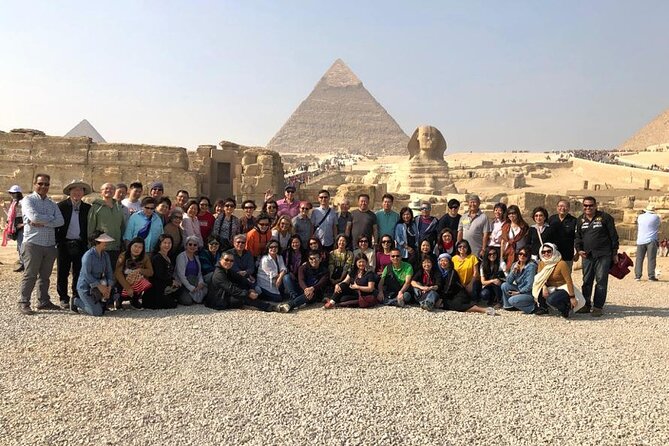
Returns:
point(228, 289)
point(96, 278)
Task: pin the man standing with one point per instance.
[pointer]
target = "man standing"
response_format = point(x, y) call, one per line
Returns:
point(288, 205)
point(426, 225)
point(475, 227)
point(40, 217)
point(146, 224)
point(451, 219)
point(156, 190)
point(647, 242)
point(302, 224)
point(106, 215)
point(71, 239)
point(386, 218)
point(563, 226)
point(132, 201)
point(363, 221)
point(181, 199)
point(344, 221)
point(324, 220)
point(597, 244)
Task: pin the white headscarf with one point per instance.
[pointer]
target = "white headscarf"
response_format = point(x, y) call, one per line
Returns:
point(549, 265)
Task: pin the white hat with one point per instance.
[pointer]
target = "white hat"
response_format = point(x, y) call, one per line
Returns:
point(650, 208)
point(104, 238)
point(15, 189)
point(77, 183)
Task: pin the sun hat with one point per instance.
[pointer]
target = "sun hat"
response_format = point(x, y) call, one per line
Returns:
point(77, 183)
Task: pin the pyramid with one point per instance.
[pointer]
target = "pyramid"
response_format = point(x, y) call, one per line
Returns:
point(84, 128)
point(340, 115)
point(653, 133)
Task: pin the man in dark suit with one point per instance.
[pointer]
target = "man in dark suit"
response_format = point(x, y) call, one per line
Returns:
point(71, 238)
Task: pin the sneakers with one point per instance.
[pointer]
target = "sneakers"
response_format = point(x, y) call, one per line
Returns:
point(653, 279)
point(584, 310)
point(73, 306)
point(329, 304)
point(65, 304)
point(426, 305)
point(490, 311)
point(637, 279)
point(540, 311)
point(597, 312)
point(25, 309)
point(48, 306)
point(283, 308)
point(19, 269)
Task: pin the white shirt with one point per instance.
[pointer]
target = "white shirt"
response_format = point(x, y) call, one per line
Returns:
point(648, 228)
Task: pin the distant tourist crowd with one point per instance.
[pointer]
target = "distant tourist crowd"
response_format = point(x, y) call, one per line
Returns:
point(155, 252)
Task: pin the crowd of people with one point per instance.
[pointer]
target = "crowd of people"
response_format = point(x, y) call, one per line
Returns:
point(156, 253)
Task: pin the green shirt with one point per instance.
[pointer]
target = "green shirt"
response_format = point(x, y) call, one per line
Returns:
point(386, 222)
point(405, 270)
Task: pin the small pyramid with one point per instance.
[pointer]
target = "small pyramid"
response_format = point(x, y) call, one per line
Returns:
point(340, 114)
point(653, 133)
point(85, 128)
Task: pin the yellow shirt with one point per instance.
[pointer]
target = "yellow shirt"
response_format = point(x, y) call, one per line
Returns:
point(465, 267)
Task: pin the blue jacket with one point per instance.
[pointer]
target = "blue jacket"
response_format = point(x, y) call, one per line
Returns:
point(525, 279)
point(401, 237)
point(137, 221)
point(93, 268)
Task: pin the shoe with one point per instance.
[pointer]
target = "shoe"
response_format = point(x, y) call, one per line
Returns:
point(497, 306)
point(283, 308)
point(584, 310)
point(510, 309)
point(400, 301)
point(565, 314)
point(73, 306)
point(427, 306)
point(540, 311)
point(19, 269)
point(135, 303)
point(490, 311)
point(329, 304)
point(25, 309)
point(638, 279)
point(653, 279)
point(597, 312)
point(65, 304)
point(48, 306)
point(118, 304)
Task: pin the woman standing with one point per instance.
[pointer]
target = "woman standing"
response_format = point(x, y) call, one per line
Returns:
point(96, 278)
point(357, 288)
point(227, 225)
point(14, 227)
point(205, 217)
point(282, 231)
point(133, 268)
point(540, 232)
point(341, 260)
point(247, 221)
point(405, 234)
point(514, 235)
point(271, 208)
point(191, 224)
point(218, 208)
point(173, 229)
point(453, 295)
point(189, 274)
point(466, 265)
point(258, 237)
point(517, 289)
point(498, 222)
point(162, 293)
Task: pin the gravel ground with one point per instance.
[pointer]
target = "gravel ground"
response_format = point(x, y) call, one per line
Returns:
point(347, 376)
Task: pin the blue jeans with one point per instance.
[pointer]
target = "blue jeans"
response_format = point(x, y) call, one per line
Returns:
point(268, 296)
point(19, 244)
point(491, 294)
point(290, 286)
point(641, 251)
point(505, 288)
point(559, 299)
point(391, 299)
point(596, 269)
point(87, 304)
point(524, 302)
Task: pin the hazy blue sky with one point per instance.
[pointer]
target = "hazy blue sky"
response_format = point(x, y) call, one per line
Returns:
point(489, 74)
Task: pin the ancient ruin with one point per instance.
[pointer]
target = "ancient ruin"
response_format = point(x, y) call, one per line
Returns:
point(655, 133)
point(85, 128)
point(340, 115)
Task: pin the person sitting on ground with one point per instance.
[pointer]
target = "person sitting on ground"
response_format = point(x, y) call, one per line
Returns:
point(258, 237)
point(452, 293)
point(517, 289)
point(190, 223)
point(492, 277)
point(426, 283)
point(340, 260)
point(271, 273)
point(553, 285)
point(164, 285)
point(133, 269)
point(244, 264)
point(227, 224)
point(364, 248)
point(358, 287)
point(282, 231)
point(96, 278)
point(209, 257)
point(395, 283)
point(466, 264)
point(312, 280)
point(189, 272)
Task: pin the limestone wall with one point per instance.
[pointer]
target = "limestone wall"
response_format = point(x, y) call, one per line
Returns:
point(261, 170)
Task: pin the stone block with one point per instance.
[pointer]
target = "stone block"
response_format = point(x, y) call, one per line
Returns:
point(252, 170)
point(47, 149)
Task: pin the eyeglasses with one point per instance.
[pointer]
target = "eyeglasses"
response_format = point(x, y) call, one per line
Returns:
point(228, 260)
point(424, 209)
point(363, 241)
point(149, 208)
point(240, 242)
point(386, 241)
point(191, 244)
point(547, 251)
point(524, 254)
point(249, 207)
point(43, 184)
point(394, 256)
point(492, 254)
point(273, 247)
point(585, 205)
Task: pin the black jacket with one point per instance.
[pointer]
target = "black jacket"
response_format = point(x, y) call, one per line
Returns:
point(597, 237)
point(564, 233)
point(65, 207)
point(226, 290)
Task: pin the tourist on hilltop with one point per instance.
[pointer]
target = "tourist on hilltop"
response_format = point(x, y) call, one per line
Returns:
point(230, 290)
point(540, 231)
point(294, 256)
point(426, 283)
point(452, 293)
point(173, 228)
point(475, 227)
point(163, 207)
point(647, 242)
point(40, 218)
point(498, 221)
point(106, 215)
point(553, 285)
point(357, 288)
point(395, 283)
point(132, 271)
point(71, 238)
point(316, 245)
point(146, 225)
point(425, 248)
point(271, 209)
point(515, 235)
point(181, 199)
point(517, 288)
point(14, 227)
point(247, 221)
point(363, 221)
point(302, 224)
point(270, 283)
point(597, 244)
point(94, 285)
point(367, 251)
point(340, 260)
point(191, 224)
point(382, 257)
point(164, 285)
point(563, 227)
point(386, 218)
point(227, 224)
point(219, 207)
point(288, 205)
point(450, 219)
point(425, 224)
point(209, 257)
point(466, 264)
point(132, 202)
point(312, 282)
point(188, 272)
point(282, 231)
point(244, 263)
point(205, 217)
point(492, 277)
point(345, 220)
point(445, 243)
point(156, 190)
point(325, 221)
point(258, 237)
point(405, 235)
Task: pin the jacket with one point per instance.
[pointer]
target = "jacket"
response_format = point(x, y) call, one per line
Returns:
point(65, 207)
point(109, 220)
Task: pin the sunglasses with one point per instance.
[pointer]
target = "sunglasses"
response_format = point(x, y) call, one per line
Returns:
point(585, 205)
point(524, 254)
point(228, 260)
point(548, 251)
point(149, 208)
point(191, 244)
point(394, 256)
point(363, 241)
point(385, 241)
point(424, 209)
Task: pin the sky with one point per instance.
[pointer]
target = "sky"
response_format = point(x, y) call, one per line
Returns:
point(491, 75)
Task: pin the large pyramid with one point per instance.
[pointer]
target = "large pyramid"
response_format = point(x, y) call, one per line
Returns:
point(84, 128)
point(340, 115)
point(653, 133)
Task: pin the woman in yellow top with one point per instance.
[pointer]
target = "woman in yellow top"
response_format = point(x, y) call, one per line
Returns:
point(552, 283)
point(466, 265)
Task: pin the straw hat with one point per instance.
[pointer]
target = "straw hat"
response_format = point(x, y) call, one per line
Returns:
point(104, 237)
point(77, 183)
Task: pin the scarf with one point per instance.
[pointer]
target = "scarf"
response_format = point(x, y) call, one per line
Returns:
point(549, 265)
point(10, 229)
point(444, 272)
point(144, 232)
point(447, 246)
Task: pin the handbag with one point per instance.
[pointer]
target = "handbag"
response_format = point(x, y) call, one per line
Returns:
point(138, 286)
point(621, 269)
point(366, 301)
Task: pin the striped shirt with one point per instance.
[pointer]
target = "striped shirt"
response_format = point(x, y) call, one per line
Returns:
point(40, 210)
